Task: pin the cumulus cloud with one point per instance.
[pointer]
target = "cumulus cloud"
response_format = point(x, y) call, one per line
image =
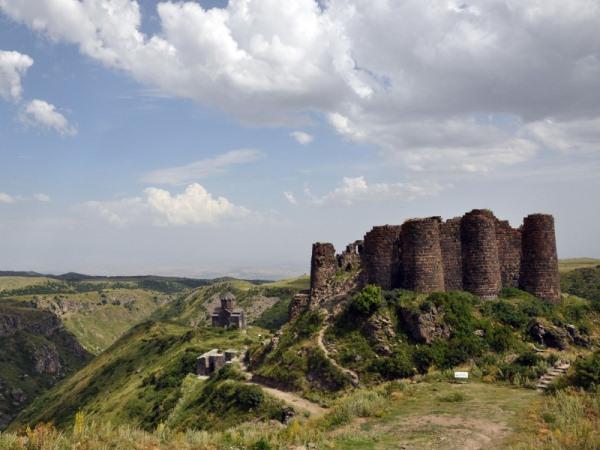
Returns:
point(290, 197)
point(5, 198)
point(195, 205)
point(356, 189)
point(39, 113)
point(203, 168)
point(419, 92)
point(301, 137)
point(13, 65)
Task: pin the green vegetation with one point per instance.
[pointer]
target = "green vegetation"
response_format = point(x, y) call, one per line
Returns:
point(137, 381)
point(583, 283)
point(8, 284)
point(368, 301)
point(391, 415)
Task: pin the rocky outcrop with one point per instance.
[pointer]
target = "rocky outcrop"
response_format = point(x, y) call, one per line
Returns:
point(13, 320)
point(46, 359)
point(549, 335)
point(424, 326)
point(380, 331)
point(298, 304)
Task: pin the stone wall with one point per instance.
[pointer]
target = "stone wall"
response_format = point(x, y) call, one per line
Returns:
point(323, 267)
point(481, 265)
point(380, 256)
point(421, 267)
point(477, 253)
point(451, 254)
point(509, 253)
point(539, 274)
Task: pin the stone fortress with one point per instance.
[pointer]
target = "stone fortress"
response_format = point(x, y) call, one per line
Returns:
point(477, 253)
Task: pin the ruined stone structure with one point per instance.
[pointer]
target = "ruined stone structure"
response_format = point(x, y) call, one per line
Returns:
point(227, 316)
point(213, 360)
point(539, 274)
point(477, 253)
point(421, 268)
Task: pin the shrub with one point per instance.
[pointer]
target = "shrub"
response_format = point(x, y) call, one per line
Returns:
point(587, 372)
point(368, 301)
point(500, 339)
point(528, 358)
point(398, 365)
point(509, 314)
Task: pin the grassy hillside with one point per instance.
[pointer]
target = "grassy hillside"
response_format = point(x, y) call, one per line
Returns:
point(139, 380)
point(36, 351)
point(97, 318)
point(566, 265)
point(584, 283)
point(397, 334)
point(14, 283)
point(265, 304)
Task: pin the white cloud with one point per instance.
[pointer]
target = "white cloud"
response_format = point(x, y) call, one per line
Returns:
point(9, 199)
point(301, 137)
point(290, 197)
point(417, 91)
point(13, 65)
point(44, 198)
point(203, 168)
point(357, 189)
point(194, 206)
point(42, 114)
point(5, 198)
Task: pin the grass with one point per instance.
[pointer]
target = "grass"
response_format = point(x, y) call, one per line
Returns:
point(387, 416)
point(300, 283)
point(567, 265)
point(137, 380)
point(12, 283)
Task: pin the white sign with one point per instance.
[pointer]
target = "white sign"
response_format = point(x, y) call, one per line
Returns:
point(461, 375)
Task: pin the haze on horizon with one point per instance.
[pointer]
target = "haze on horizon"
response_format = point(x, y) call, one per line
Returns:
point(209, 138)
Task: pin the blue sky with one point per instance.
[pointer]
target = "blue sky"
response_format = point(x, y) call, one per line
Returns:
point(180, 139)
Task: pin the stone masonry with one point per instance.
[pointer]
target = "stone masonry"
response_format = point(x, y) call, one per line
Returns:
point(421, 267)
point(540, 262)
point(477, 253)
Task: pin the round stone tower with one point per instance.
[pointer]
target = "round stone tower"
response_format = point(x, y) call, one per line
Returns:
point(481, 266)
point(421, 264)
point(380, 256)
point(539, 267)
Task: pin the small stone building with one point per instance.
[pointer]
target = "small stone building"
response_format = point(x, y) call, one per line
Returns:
point(213, 360)
point(227, 316)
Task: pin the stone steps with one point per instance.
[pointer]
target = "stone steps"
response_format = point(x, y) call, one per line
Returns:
point(558, 370)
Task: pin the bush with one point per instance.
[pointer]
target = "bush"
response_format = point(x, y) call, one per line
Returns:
point(398, 365)
point(587, 372)
point(368, 301)
point(500, 339)
point(528, 359)
point(509, 314)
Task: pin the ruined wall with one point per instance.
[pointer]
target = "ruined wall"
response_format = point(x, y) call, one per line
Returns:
point(349, 259)
point(380, 256)
point(481, 265)
point(539, 270)
point(323, 267)
point(421, 267)
point(452, 254)
point(509, 253)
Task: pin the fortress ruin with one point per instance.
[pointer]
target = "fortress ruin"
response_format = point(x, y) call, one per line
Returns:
point(477, 253)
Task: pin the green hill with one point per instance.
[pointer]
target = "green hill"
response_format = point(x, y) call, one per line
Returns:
point(265, 304)
point(36, 351)
point(144, 379)
point(583, 282)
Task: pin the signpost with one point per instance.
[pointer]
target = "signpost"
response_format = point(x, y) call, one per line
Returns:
point(462, 376)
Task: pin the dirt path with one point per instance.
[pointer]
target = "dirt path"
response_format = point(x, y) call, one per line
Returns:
point(294, 400)
point(353, 375)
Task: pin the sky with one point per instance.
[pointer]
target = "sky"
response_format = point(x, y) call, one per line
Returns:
point(209, 138)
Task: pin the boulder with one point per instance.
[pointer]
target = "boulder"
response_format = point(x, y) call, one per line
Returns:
point(548, 335)
point(425, 326)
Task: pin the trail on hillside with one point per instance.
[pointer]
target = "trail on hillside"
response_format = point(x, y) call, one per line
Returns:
point(353, 375)
point(293, 400)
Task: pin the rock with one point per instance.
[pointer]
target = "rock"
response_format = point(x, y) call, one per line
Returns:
point(379, 330)
point(46, 360)
point(287, 414)
point(577, 337)
point(479, 333)
point(425, 326)
point(18, 396)
point(549, 335)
